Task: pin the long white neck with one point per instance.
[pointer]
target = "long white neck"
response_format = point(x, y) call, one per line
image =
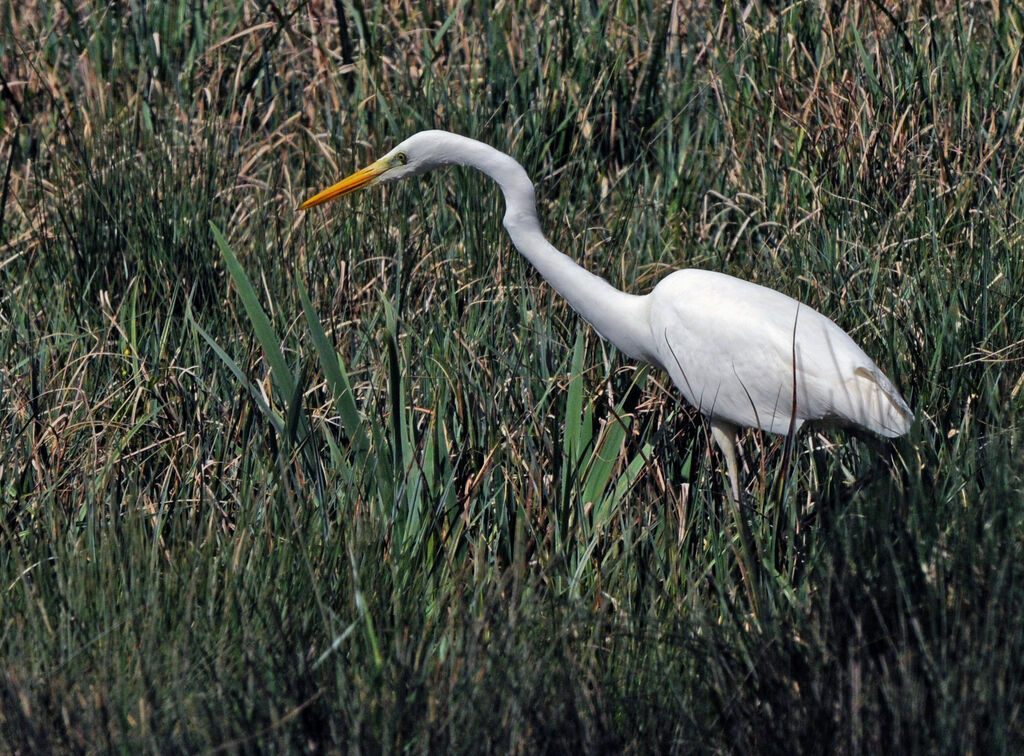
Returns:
point(619, 317)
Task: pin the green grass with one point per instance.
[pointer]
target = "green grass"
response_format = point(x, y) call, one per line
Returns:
point(358, 478)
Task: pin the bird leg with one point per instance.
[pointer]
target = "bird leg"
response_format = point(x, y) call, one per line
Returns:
point(724, 434)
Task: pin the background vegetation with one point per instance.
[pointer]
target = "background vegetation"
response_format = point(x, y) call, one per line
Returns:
point(356, 477)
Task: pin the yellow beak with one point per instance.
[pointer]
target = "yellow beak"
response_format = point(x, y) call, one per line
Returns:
point(366, 177)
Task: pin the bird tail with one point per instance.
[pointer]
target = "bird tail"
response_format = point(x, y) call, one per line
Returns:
point(883, 410)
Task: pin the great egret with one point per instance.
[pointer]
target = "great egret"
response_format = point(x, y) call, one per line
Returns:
point(733, 348)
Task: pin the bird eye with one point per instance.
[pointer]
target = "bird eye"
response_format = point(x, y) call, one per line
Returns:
point(400, 157)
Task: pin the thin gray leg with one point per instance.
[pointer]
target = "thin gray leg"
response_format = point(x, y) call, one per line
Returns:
point(724, 434)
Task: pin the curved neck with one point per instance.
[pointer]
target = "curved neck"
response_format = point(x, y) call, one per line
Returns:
point(619, 317)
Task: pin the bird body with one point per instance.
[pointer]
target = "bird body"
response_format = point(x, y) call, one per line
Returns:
point(773, 342)
point(744, 355)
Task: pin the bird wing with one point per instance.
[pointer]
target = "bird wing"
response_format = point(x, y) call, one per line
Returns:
point(734, 348)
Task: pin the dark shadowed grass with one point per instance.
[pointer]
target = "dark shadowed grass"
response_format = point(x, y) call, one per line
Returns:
point(357, 478)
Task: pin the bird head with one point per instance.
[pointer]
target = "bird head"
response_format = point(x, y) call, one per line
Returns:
point(417, 154)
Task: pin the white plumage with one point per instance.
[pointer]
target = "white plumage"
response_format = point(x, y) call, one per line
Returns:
point(737, 351)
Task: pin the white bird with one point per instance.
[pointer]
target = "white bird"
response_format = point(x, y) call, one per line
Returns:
point(733, 348)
